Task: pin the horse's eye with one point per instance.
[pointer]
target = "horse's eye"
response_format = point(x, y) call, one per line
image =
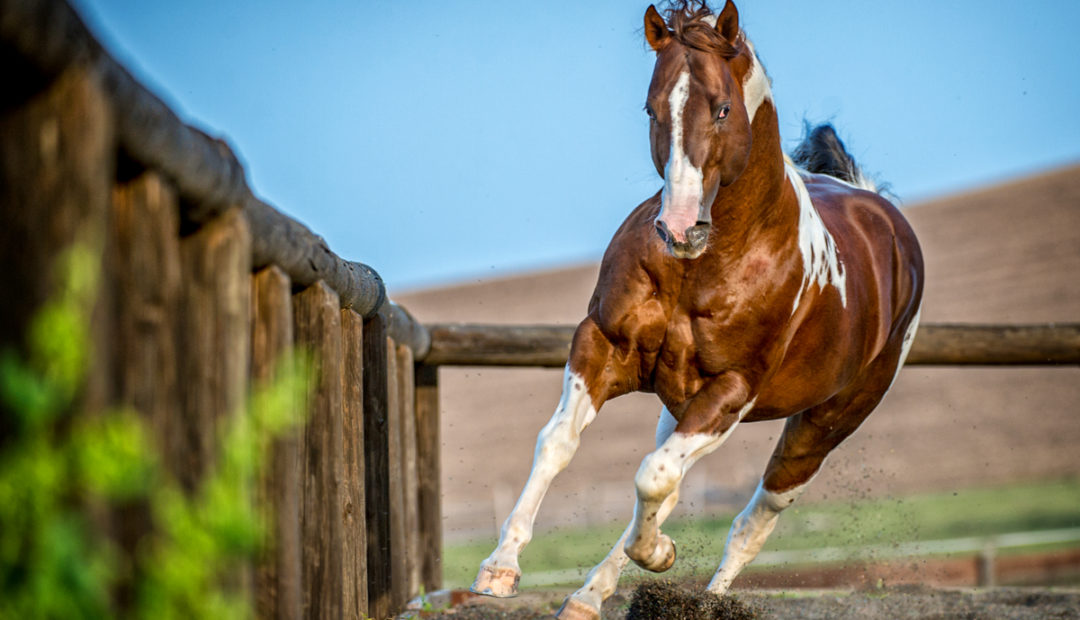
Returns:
point(722, 112)
point(650, 112)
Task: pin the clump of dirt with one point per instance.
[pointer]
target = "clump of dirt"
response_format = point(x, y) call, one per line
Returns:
point(665, 600)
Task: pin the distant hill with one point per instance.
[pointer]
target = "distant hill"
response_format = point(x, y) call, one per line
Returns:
point(1007, 253)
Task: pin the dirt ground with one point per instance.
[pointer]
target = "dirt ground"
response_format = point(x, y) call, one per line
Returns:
point(666, 601)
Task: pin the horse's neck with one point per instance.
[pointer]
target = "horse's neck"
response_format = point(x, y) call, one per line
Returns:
point(756, 201)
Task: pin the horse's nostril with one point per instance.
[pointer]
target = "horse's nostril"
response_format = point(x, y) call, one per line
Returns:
point(662, 230)
point(696, 235)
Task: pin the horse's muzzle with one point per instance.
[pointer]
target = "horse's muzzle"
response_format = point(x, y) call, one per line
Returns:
point(697, 236)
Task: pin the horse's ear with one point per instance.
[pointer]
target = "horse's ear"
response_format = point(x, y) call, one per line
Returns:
point(727, 24)
point(656, 31)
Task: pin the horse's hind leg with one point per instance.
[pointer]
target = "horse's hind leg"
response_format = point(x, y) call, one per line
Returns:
point(586, 380)
point(807, 439)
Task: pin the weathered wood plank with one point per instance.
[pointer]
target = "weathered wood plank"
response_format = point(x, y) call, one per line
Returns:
point(353, 497)
point(396, 480)
point(143, 271)
point(377, 466)
point(56, 175)
point(996, 345)
point(144, 254)
point(936, 344)
point(499, 345)
point(278, 575)
point(410, 491)
point(213, 342)
point(318, 330)
point(428, 475)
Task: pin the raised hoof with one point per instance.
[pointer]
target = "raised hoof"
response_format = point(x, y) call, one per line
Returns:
point(662, 557)
point(573, 609)
point(497, 582)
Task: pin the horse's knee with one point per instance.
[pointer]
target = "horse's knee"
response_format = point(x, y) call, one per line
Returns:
point(658, 476)
point(556, 444)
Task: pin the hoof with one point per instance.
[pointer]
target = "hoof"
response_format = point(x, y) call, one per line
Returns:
point(662, 557)
point(497, 582)
point(573, 609)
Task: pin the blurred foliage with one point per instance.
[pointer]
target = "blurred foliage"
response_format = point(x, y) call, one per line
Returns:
point(63, 470)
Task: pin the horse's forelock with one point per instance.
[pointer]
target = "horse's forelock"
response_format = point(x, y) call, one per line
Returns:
point(693, 24)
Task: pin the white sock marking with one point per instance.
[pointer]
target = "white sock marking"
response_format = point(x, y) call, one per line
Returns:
point(749, 532)
point(555, 446)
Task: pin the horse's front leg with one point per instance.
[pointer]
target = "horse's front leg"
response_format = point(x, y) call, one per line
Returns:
point(711, 415)
point(589, 380)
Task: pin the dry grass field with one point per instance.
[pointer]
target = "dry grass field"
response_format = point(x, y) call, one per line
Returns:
point(1009, 253)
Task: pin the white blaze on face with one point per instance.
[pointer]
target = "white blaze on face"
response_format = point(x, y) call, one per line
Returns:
point(683, 182)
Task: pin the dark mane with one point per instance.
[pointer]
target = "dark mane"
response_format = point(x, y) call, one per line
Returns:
point(686, 20)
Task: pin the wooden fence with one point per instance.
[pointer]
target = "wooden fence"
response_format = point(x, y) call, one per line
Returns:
point(205, 287)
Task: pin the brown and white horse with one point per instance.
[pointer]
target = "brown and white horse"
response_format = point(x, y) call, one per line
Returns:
point(747, 289)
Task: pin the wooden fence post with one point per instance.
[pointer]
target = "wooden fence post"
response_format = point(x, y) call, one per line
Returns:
point(278, 576)
point(409, 487)
point(318, 330)
point(143, 270)
point(213, 339)
point(144, 257)
point(353, 495)
point(398, 574)
point(57, 154)
point(377, 467)
point(428, 472)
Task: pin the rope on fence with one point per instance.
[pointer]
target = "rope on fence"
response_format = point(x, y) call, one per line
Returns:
point(49, 36)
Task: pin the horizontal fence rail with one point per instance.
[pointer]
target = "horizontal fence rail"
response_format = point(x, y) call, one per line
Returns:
point(935, 345)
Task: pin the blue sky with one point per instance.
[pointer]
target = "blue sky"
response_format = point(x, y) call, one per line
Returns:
point(443, 142)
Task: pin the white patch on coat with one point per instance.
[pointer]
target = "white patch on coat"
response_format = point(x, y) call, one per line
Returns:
point(756, 86)
point(555, 446)
point(905, 348)
point(662, 470)
point(821, 264)
point(749, 532)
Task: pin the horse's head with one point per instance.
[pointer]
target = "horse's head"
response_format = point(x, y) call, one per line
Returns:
point(705, 88)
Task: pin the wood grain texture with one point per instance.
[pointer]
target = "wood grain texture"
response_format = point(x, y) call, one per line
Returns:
point(56, 175)
point(396, 480)
point(213, 341)
point(354, 520)
point(428, 475)
point(144, 256)
point(377, 466)
point(410, 491)
point(278, 575)
point(318, 330)
point(143, 273)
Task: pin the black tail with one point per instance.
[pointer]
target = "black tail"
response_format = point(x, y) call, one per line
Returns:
point(822, 152)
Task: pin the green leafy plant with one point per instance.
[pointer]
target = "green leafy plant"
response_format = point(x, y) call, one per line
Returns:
point(61, 468)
